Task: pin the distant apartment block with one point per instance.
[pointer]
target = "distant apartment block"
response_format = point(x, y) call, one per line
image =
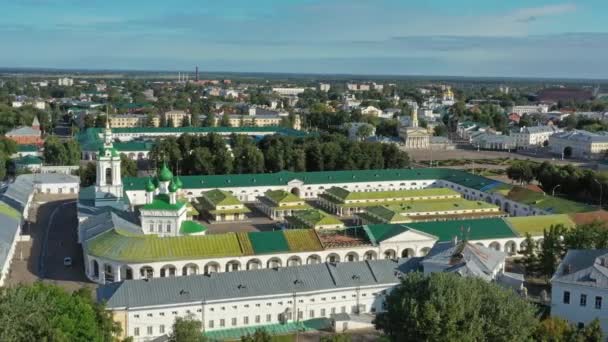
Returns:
point(177, 117)
point(134, 120)
point(521, 110)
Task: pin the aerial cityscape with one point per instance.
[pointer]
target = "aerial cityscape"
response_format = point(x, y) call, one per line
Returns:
point(303, 171)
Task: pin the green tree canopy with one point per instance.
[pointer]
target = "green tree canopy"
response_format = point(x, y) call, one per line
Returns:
point(47, 313)
point(187, 329)
point(448, 307)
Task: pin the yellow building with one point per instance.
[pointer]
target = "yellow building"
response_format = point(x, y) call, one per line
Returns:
point(132, 120)
point(177, 117)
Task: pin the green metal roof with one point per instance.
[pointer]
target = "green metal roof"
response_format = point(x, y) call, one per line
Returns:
point(27, 148)
point(314, 217)
point(192, 227)
point(28, 160)
point(165, 175)
point(119, 246)
point(361, 195)
point(482, 229)
point(218, 197)
point(162, 202)
point(268, 242)
point(387, 215)
point(542, 201)
point(281, 196)
point(325, 177)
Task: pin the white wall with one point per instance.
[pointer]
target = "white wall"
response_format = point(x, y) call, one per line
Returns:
point(574, 312)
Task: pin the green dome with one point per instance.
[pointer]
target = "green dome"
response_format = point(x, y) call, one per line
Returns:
point(178, 182)
point(112, 150)
point(173, 187)
point(155, 182)
point(165, 174)
point(150, 187)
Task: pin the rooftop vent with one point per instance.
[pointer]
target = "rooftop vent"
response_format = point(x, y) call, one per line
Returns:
point(242, 287)
point(183, 292)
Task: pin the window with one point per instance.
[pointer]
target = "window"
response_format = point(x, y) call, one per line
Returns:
point(333, 311)
point(257, 318)
point(322, 312)
point(168, 227)
point(150, 330)
point(257, 305)
point(136, 316)
point(245, 320)
point(598, 302)
point(222, 322)
point(161, 329)
point(583, 300)
point(211, 324)
point(149, 315)
point(268, 318)
point(161, 314)
point(311, 314)
point(234, 321)
point(300, 314)
point(151, 226)
point(566, 297)
point(136, 332)
point(343, 309)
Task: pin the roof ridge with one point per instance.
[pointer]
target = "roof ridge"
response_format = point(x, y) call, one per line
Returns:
point(371, 270)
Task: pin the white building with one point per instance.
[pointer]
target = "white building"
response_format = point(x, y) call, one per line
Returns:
point(579, 144)
point(288, 91)
point(147, 309)
point(65, 81)
point(536, 136)
point(579, 287)
point(39, 104)
point(371, 110)
point(324, 87)
point(521, 110)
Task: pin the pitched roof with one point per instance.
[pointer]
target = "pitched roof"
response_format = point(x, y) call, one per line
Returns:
point(315, 217)
point(465, 258)
point(535, 225)
point(23, 131)
point(162, 202)
point(482, 229)
point(218, 197)
point(281, 196)
point(584, 267)
point(217, 286)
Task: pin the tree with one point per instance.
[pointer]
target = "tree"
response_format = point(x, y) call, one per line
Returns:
point(552, 249)
point(448, 307)
point(55, 152)
point(128, 166)
point(73, 152)
point(555, 329)
point(42, 312)
point(530, 250)
point(88, 174)
point(187, 329)
point(440, 131)
point(365, 131)
point(260, 335)
point(225, 121)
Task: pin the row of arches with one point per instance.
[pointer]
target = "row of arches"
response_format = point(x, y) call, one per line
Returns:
point(107, 272)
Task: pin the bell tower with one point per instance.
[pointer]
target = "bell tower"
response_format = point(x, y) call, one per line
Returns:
point(108, 180)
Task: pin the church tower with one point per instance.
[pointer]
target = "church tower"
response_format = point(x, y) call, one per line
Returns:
point(108, 178)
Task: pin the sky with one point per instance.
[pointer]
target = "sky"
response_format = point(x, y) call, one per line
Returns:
point(514, 38)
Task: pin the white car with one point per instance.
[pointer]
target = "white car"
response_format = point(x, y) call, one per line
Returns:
point(67, 261)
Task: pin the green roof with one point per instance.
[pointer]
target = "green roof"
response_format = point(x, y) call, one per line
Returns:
point(191, 227)
point(28, 160)
point(161, 202)
point(551, 204)
point(362, 195)
point(27, 148)
point(268, 242)
point(439, 205)
point(218, 197)
point(281, 196)
point(535, 225)
point(314, 217)
point(275, 330)
point(386, 215)
point(120, 246)
point(481, 229)
point(325, 177)
point(302, 240)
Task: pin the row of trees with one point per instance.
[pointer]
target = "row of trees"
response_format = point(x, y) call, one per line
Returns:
point(542, 259)
point(210, 154)
point(7, 148)
point(23, 116)
point(448, 307)
point(574, 182)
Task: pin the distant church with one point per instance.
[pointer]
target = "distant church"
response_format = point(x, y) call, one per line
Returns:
point(415, 138)
point(25, 135)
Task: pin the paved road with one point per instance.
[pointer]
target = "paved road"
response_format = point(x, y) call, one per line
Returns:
point(54, 237)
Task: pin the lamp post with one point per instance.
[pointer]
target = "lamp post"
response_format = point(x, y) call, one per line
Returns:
point(601, 188)
point(555, 187)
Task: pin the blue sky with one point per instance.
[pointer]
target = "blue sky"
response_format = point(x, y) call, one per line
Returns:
point(432, 37)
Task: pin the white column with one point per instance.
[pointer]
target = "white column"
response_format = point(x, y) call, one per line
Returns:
point(116, 271)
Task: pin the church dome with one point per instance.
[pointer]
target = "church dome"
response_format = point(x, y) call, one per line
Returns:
point(173, 187)
point(165, 174)
point(150, 187)
point(178, 182)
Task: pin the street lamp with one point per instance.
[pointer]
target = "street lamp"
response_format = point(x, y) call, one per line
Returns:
point(601, 188)
point(555, 187)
